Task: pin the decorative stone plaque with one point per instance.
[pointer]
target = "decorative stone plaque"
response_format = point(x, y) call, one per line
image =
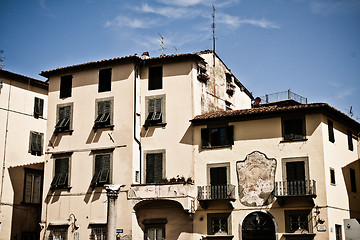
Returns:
point(256, 179)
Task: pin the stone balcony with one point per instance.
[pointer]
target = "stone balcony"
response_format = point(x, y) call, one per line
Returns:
point(183, 193)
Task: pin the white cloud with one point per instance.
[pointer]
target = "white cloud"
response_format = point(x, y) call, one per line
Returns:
point(334, 6)
point(345, 93)
point(188, 3)
point(235, 22)
point(122, 21)
point(169, 12)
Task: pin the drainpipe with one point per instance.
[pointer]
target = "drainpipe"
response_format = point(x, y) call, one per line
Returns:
point(112, 192)
point(135, 118)
point(5, 146)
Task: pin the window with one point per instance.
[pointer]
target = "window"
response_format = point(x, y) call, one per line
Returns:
point(352, 180)
point(65, 86)
point(36, 143)
point(98, 233)
point(338, 235)
point(58, 233)
point(297, 221)
point(350, 141)
point(32, 186)
point(293, 128)
point(155, 229)
point(64, 116)
point(218, 223)
point(154, 167)
point(104, 80)
point(38, 107)
point(155, 110)
point(155, 78)
point(61, 173)
point(332, 176)
point(331, 131)
point(217, 137)
point(103, 113)
point(101, 169)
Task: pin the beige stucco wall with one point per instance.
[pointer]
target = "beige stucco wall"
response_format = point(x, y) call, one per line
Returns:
point(18, 98)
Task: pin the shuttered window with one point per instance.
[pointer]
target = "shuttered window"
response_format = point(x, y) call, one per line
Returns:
point(103, 118)
point(154, 167)
point(61, 173)
point(155, 111)
point(331, 131)
point(38, 107)
point(36, 143)
point(101, 169)
point(32, 187)
point(293, 129)
point(217, 137)
point(64, 118)
point(65, 86)
point(104, 80)
point(155, 78)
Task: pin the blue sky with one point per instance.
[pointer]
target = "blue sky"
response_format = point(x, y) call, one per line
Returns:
point(309, 46)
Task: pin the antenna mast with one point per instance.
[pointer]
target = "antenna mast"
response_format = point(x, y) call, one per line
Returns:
point(213, 34)
point(162, 44)
point(2, 58)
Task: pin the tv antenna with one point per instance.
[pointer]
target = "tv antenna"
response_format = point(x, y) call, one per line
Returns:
point(162, 44)
point(213, 34)
point(176, 50)
point(2, 59)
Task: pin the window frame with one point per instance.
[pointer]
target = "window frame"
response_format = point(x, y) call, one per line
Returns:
point(33, 172)
point(150, 122)
point(104, 84)
point(338, 232)
point(31, 151)
point(152, 84)
point(66, 86)
point(155, 223)
point(163, 172)
point(283, 128)
point(211, 216)
point(111, 114)
point(38, 107)
point(350, 140)
point(96, 228)
point(303, 212)
point(66, 185)
point(332, 176)
point(70, 123)
point(62, 229)
point(331, 131)
point(207, 139)
point(99, 153)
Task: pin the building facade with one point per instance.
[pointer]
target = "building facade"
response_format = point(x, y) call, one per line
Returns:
point(23, 111)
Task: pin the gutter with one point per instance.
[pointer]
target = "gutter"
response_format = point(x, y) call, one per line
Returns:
point(135, 115)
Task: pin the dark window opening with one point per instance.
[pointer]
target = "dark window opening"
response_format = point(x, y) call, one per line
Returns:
point(332, 176)
point(155, 78)
point(36, 143)
point(353, 180)
point(331, 131)
point(64, 116)
point(338, 234)
point(155, 229)
point(155, 115)
point(298, 221)
point(61, 173)
point(293, 129)
point(102, 170)
point(103, 118)
point(65, 86)
point(32, 186)
point(350, 141)
point(38, 107)
point(217, 137)
point(104, 80)
point(295, 177)
point(154, 167)
point(218, 223)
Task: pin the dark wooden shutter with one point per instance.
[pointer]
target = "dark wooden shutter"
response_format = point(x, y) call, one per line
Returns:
point(105, 168)
point(38, 107)
point(36, 189)
point(204, 137)
point(62, 168)
point(33, 142)
point(230, 135)
point(28, 187)
point(158, 169)
point(38, 144)
point(104, 80)
point(350, 140)
point(150, 168)
point(96, 176)
point(331, 131)
point(65, 86)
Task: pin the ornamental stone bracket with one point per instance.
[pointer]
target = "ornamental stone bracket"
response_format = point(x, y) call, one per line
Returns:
point(182, 193)
point(256, 179)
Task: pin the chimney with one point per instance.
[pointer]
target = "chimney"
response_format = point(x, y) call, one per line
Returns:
point(145, 55)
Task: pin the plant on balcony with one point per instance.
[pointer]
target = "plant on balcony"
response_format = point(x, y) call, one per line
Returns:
point(180, 180)
point(173, 180)
point(164, 181)
point(203, 77)
point(189, 180)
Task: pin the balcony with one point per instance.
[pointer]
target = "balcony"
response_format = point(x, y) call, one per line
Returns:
point(284, 189)
point(215, 192)
point(184, 193)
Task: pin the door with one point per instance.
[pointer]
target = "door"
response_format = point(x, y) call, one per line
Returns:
point(218, 182)
point(258, 226)
point(295, 177)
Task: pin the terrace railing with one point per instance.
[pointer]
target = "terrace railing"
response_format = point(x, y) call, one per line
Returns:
point(295, 188)
point(216, 192)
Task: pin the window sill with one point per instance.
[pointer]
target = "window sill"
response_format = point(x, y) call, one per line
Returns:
point(216, 147)
point(294, 140)
point(111, 127)
point(219, 236)
point(61, 188)
point(147, 125)
point(69, 132)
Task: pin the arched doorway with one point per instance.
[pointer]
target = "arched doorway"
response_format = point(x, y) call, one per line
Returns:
point(258, 226)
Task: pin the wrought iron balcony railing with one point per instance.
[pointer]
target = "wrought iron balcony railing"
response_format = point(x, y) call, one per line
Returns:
point(295, 188)
point(216, 192)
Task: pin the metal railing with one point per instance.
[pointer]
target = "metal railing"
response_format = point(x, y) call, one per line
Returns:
point(295, 188)
point(214, 192)
point(280, 96)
